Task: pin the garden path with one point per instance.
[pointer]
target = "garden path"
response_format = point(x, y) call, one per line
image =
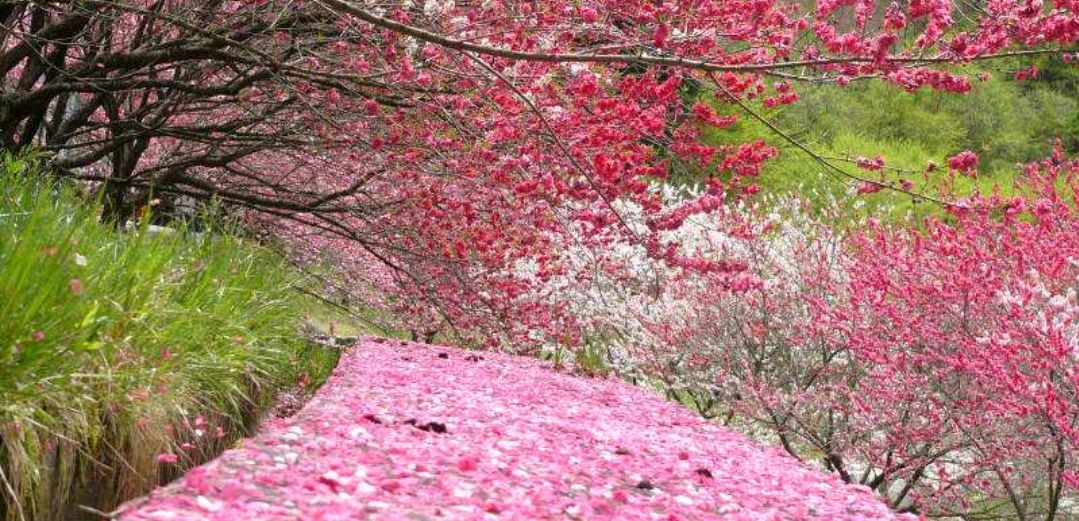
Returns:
point(406, 431)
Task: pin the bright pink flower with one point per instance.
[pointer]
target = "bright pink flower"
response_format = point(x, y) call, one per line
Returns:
point(167, 457)
point(965, 161)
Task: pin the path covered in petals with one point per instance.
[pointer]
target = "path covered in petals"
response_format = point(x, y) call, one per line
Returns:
point(415, 432)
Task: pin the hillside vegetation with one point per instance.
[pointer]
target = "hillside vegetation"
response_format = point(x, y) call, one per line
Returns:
point(1005, 122)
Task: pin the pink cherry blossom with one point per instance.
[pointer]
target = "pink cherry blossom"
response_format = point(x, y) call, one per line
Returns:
point(965, 161)
point(167, 457)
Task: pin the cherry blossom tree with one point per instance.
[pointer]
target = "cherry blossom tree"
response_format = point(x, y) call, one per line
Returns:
point(933, 362)
point(972, 322)
point(438, 141)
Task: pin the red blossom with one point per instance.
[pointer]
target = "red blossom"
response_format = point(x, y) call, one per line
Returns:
point(965, 162)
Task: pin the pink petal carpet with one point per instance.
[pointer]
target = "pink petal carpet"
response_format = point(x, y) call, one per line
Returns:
point(416, 432)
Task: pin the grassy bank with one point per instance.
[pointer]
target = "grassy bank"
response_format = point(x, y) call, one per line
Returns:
point(128, 356)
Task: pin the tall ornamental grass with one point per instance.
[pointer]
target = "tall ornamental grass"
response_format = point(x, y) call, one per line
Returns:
point(125, 355)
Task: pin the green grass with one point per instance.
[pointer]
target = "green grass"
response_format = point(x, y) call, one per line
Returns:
point(590, 358)
point(113, 343)
point(343, 318)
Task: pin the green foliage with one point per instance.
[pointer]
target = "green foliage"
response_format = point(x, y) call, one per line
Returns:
point(1003, 121)
point(872, 109)
point(113, 342)
point(591, 358)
